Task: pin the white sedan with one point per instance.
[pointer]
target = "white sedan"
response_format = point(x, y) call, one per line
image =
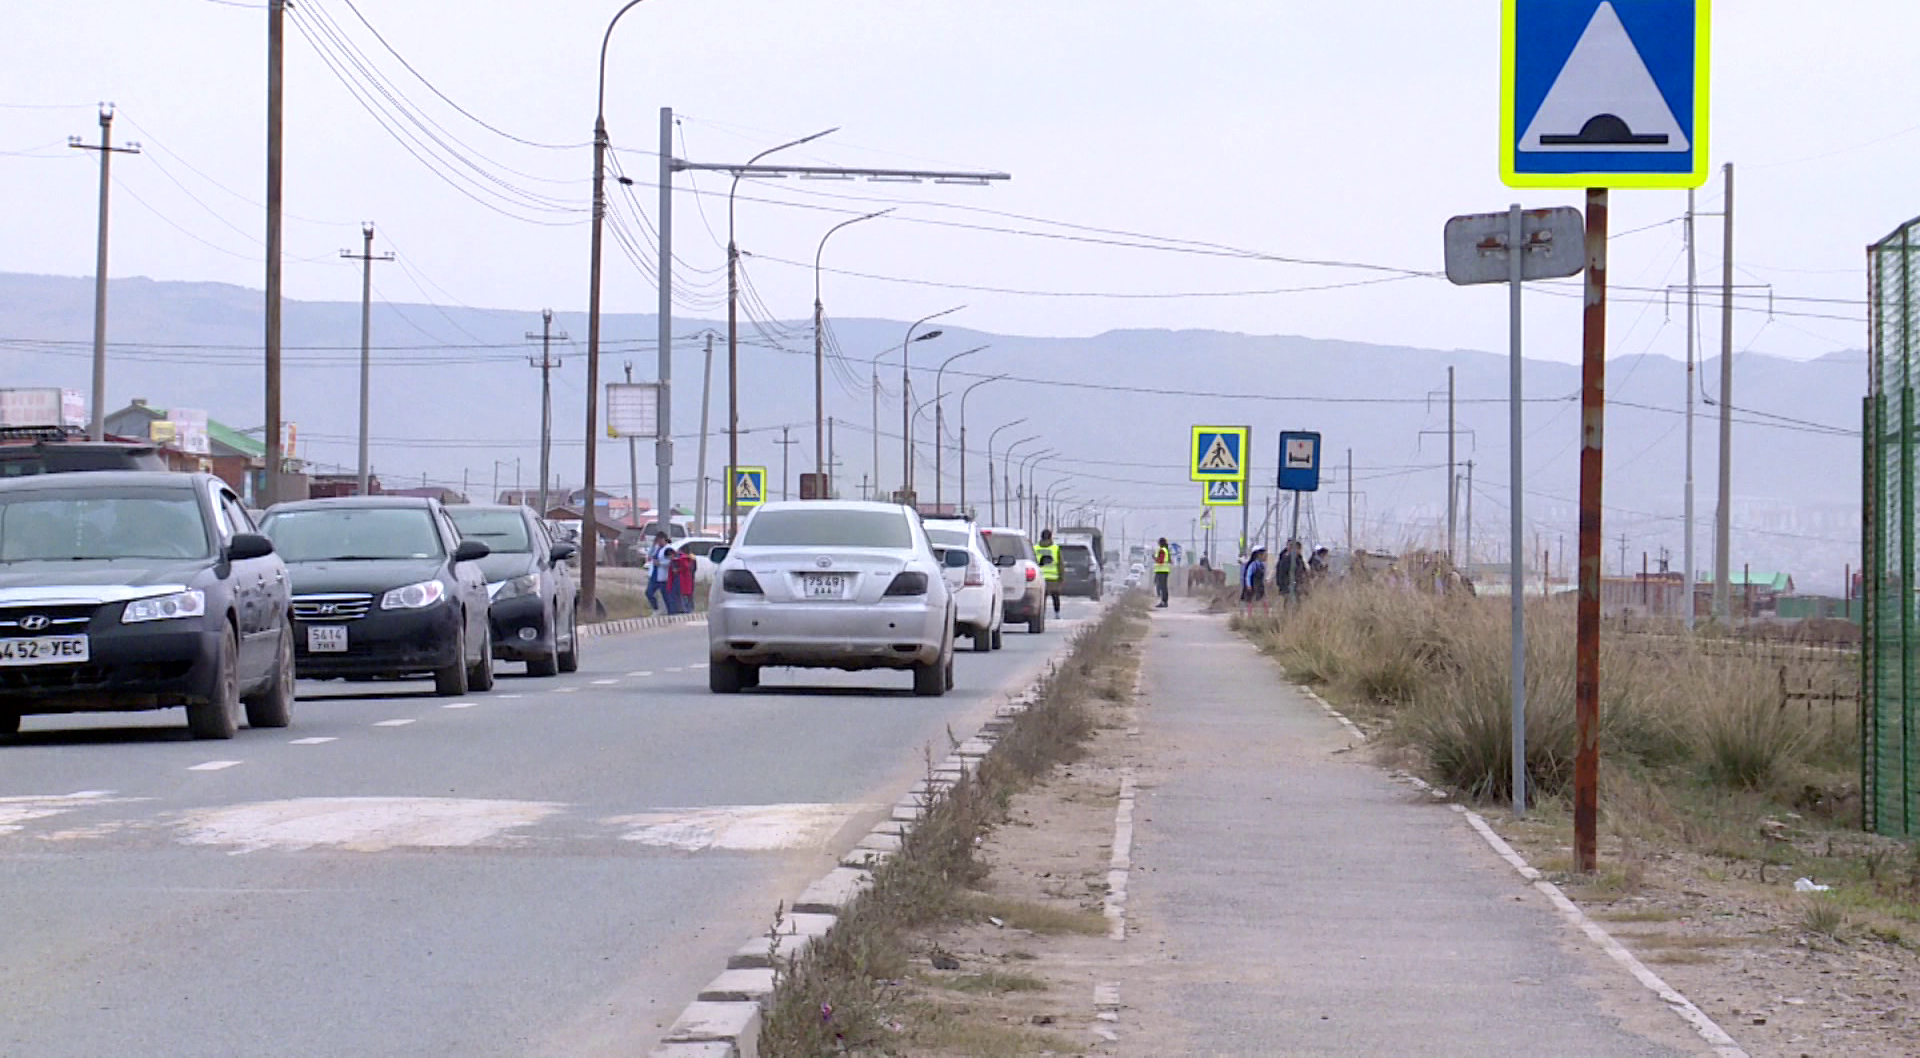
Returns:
point(831, 584)
point(976, 588)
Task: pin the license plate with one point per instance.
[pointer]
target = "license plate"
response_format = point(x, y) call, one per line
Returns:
point(326, 639)
point(45, 650)
point(825, 585)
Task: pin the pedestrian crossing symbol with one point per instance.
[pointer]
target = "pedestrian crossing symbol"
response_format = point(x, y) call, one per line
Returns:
point(749, 486)
point(1224, 494)
point(1604, 93)
point(1219, 453)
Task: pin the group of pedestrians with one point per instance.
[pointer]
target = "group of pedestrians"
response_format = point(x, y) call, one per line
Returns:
point(1293, 573)
point(670, 574)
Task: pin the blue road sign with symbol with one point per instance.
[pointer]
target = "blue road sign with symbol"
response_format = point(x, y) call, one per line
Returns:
point(1300, 461)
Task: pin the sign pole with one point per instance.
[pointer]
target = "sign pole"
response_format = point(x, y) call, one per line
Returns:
point(1516, 254)
point(1293, 575)
point(1246, 479)
point(1586, 761)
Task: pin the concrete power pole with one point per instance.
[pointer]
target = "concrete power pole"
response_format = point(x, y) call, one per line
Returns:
point(786, 444)
point(706, 407)
point(546, 364)
point(366, 257)
point(98, 429)
point(1453, 484)
point(1349, 504)
point(665, 521)
point(276, 80)
point(1722, 530)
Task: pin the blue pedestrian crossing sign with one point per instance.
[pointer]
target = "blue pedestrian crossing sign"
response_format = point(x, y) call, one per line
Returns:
point(1223, 493)
point(1604, 93)
point(1300, 461)
point(749, 485)
point(1219, 453)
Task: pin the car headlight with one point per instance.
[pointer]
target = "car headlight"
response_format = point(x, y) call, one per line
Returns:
point(527, 584)
point(165, 607)
point(414, 596)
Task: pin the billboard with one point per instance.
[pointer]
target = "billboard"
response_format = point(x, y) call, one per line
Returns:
point(42, 406)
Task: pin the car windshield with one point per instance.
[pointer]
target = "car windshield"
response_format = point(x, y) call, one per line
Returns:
point(340, 533)
point(73, 526)
point(1004, 545)
point(828, 527)
point(505, 532)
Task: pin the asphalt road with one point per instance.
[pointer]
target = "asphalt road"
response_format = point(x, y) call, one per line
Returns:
point(551, 868)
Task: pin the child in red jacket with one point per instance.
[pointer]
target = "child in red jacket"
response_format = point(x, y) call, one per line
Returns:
point(680, 575)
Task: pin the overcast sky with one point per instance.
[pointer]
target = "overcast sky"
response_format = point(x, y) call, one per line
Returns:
point(1329, 131)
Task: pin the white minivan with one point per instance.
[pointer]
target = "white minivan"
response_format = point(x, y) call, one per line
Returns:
point(1023, 594)
point(976, 589)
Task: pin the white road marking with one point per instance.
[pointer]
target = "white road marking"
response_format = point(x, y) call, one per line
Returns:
point(393, 723)
point(214, 765)
point(702, 665)
point(509, 696)
point(458, 705)
point(677, 668)
point(317, 740)
point(605, 683)
point(15, 811)
point(750, 828)
point(362, 824)
point(643, 672)
point(565, 690)
point(1121, 862)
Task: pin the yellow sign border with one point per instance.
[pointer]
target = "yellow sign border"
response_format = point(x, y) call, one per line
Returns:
point(1510, 147)
point(1208, 501)
point(735, 500)
point(1194, 455)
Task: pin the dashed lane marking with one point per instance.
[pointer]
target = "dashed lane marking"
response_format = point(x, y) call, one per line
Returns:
point(317, 740)
point(605, 683)
point(509, 696)
point(643, 672)
point(458, 705)
point(214, 765)
point(565, 690)
point(393, 723)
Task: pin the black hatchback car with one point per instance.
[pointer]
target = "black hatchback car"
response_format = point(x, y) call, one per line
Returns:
point(534, 608)
point(384, 587)
point(140, 590)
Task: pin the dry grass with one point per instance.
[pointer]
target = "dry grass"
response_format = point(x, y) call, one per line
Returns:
point(1036, 918)
point(930, 1027)
point(993, 982)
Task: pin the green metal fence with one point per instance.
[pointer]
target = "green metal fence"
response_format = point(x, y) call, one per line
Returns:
point(1890, 672)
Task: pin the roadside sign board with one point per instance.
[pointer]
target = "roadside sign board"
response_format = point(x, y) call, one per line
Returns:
point(42, 406)
point(1604, 93)
point(1300, 461)
point(1553, 244)
point(190, 431)
point(633, 409)
point(749, 485)
point(1223, 493)
point(1219, 453)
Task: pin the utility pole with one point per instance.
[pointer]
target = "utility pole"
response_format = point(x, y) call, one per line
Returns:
point(366, 258)
point(98, 430)
point(833, 466)
point(663, 447)
point(786, 444)
point(276, 82)
point(1467, 553)
point(633, 480)
point(1349, 504)
point(1722, 530)
point(863, 486)
point(546, 364)
point(1453, 485)
point(706, 407)
point(1623, 554)
point(1692, 279)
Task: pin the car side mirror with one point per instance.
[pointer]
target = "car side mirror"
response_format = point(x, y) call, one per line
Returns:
point(956, 558)
point(1006, 561)
point(562, 552)
point(244, 546)
point(719, 554)
point(471, 551)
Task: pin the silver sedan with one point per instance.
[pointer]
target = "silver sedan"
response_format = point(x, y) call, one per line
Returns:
point(831, 584)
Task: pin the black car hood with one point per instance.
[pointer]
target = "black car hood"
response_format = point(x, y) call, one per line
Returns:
point(360, 575)
point(94, 580)
point(506, 565)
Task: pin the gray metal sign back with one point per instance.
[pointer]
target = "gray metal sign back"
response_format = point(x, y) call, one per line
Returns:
point(1554, 240)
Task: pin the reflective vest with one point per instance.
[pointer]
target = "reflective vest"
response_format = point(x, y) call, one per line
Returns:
point(1163, 561)
point(1049, 570)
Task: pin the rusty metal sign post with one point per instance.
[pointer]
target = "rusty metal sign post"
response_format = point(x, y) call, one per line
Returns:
point(1593, 410)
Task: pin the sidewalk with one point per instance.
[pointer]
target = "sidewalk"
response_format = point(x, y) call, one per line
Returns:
point(1288, 898)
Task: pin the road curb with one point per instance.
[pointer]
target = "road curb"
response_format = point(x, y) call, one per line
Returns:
point(640, 624)
point(730, 1028)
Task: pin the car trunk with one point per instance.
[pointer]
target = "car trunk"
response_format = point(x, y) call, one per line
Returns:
point(798, 575)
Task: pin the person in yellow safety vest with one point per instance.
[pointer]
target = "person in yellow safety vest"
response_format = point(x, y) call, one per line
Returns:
point(1162, 571)
point(1048, 554)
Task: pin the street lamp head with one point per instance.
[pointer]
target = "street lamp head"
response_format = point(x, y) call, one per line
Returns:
point(930, 335)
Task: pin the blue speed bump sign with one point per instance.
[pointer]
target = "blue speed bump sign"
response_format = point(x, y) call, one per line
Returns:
point(1300, 461)
point(1219, 453)
point(749, 485)
point(1223, 493)
point(1604, 93)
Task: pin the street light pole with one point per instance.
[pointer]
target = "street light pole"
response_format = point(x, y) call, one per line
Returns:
point(1029, 468)
point(1007, 483)
point(819, 348)
point(906, 399)
point(963, 439)
point(733, 333)
point(940, 421)
point(993, 512)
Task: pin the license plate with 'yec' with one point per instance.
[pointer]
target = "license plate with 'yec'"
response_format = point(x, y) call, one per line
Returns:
point(825, 585)
point(327, 639)
point(44, 650)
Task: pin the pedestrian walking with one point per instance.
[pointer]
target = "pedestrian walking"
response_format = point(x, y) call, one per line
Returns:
point(1049, 556)
point(680, 572)
point(1290, 574)
point(657, 573)
point(1162, 571)
point(1253, 582)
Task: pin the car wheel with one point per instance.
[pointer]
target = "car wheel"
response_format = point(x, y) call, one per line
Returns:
point(9, 723)
point(570, 654)
point(726, 676)
point(749, 676)
point(219, 715)
point(930, 679)
point(982, 641)
point(272, 706)
point(949, 671)
point(451, 682)
point(480, 677)
point(549, 665)
point(999, 637)
point(1038, 622)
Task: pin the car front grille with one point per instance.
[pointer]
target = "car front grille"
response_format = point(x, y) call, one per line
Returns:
point(348, 606)
point(18, 622)
point(90, 676)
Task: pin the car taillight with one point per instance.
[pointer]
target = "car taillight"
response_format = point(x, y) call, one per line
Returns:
point(976, 576)
point(739, 582)
point(1032, 573)
point(908, 584)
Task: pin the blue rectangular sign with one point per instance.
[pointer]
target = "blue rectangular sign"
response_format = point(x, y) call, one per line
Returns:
point(1300, 461)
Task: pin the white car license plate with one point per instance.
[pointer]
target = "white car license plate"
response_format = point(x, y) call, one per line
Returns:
point(825, 585)
point(326, 639)
point(44, 650)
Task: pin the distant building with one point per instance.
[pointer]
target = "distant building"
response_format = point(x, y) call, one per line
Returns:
point(432, 492)
point(234, 457)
